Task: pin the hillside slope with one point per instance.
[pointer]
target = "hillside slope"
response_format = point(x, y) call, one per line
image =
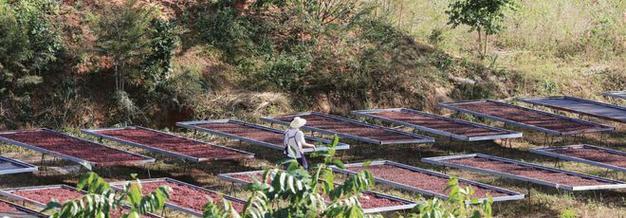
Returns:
point(228, 61)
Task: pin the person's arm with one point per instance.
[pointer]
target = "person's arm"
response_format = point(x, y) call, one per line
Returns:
point(302, 141)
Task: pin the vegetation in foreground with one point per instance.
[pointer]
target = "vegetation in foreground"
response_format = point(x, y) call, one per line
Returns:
point(101, 200)
point(290, 192)
point(101, 63)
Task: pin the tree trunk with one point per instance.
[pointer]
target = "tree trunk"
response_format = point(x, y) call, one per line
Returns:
point(480, 44)
point(116, 75)
point(485, 44)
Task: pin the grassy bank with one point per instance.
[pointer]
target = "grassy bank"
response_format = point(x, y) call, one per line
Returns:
point(226, 62)
point(571, 47)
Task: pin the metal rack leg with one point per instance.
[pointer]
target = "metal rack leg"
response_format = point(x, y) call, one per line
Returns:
point(149, 174)
point(528, 191)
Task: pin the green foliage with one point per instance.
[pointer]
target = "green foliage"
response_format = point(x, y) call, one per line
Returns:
point(479, 15)
point(459, 204)
point(325, 12)
point(436, 37)
point(29, 49)
point(140, 46)
point(289, 45)
point(102, 201)
point(313, 54)
point(295, 192)
point(214, 211)
point(319, 13)
point(122, 32)
point(29, 40)
point(339, 54)
point(229, 32)
point(603, 38)
point(180, 91)
point(483, 16)
point(125, 107)
point(140, 204)
point(568, 213)
point(287, 72)
point(157, 66)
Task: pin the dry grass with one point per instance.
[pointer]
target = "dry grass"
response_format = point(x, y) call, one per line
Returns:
point(571, 46)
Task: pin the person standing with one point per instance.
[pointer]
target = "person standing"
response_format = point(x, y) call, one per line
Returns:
point(294, 142)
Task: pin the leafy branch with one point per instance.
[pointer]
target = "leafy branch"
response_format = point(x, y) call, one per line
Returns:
point(102, 201)
point(295, 192)
point(483, 16)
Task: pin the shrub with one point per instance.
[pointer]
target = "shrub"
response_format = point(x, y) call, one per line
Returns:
point(123, 36)
point(603, 39)
point(157, 66)
point(101, 200)
point(180, 91)
point(483, 16)
point(287, 72)
point(29, 49)
point(459, 204)
point(140, 46)
point(225, 30)
point(568, 213)
point(295, 192)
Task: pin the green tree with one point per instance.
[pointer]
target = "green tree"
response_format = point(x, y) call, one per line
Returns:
point(140, 47)
point(123, 36)
point(29, 48)
point(102, 201)
point(157, 66)
point(483, 16)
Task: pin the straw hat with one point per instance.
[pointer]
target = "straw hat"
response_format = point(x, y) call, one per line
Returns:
point(297, 123)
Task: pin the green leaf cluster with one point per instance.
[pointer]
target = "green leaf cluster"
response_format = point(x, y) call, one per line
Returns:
point(479, 15)
point(100, 201)
point(296, 192)
point(30, 46)
point(460, 204)
point(483, 16)
point(140, 46)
